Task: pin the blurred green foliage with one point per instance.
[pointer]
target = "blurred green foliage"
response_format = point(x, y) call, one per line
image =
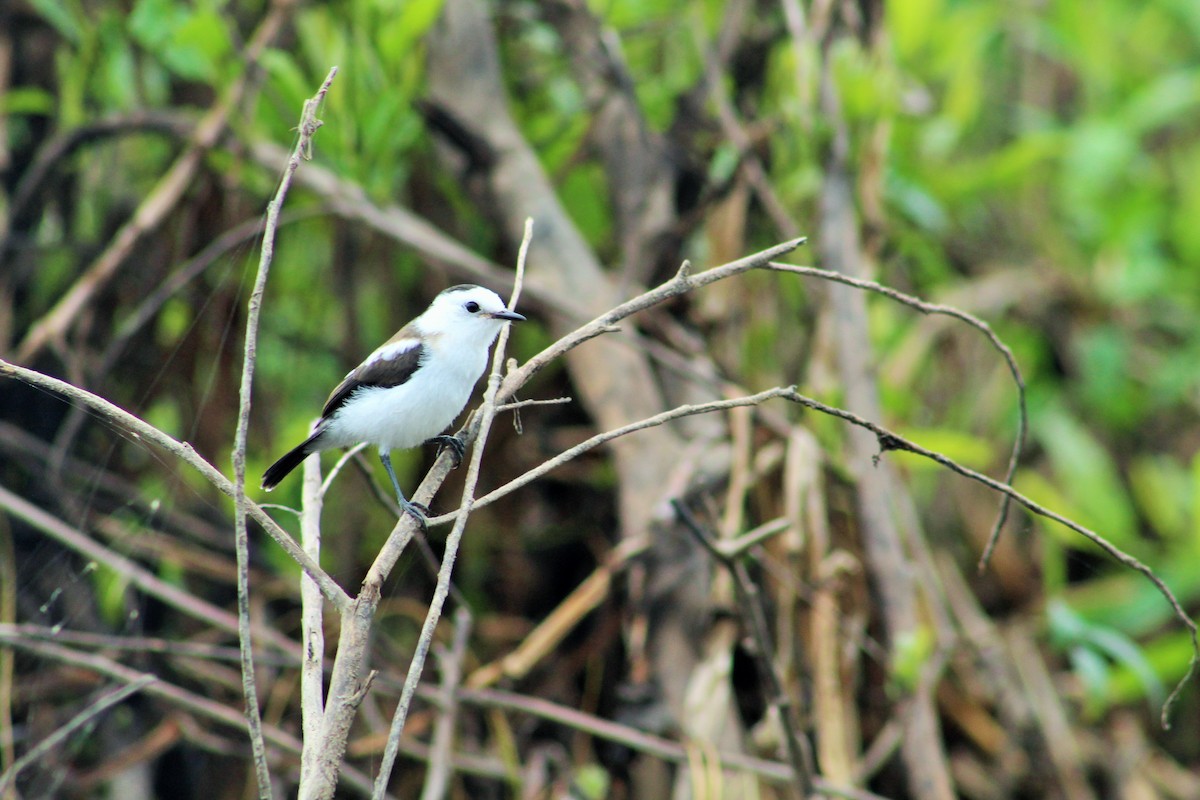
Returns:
point(1066, 137)
point(1058, 142)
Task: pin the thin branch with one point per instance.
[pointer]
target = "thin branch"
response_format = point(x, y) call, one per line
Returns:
point(755, 616)
point(892, 441)
point(141, 431)
point(607, 436)
point(89, 714)
point(312, 629)
point(517, 405)
point(441, 749)
point(683, 282)
point(655, 746)
point(308, 127)
point(173, 648)
point(887, 441)
point(137, 575)
point(340, 464)
point(454, 539)
point(209, 709)
point(975, 322)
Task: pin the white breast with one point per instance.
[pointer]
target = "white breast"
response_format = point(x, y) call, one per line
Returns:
point(404, 416)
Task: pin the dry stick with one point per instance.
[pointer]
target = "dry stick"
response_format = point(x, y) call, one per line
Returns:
point(655, 746)
point(441, 748)
point(975, 322)
point(76, 722)
point(137, 575)
point(308, 127)
point(173, 648)
point(546, 637)
point(8, 614)
point(154, 208)
point(607, 436)
point(169, 692)
point(312, 630)
point(891, 441)
point(752, 608)
point(454, 539)
point(887, 441)
point(683, 282)
point(141, 431)
point(386, 497)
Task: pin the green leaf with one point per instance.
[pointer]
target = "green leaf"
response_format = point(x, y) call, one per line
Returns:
point(1085, 472)
point(26, 100)
point(112, 594)
point(1162, 489)
point(66, 17)
point(199, 46)
point(910, 654)
point(1164, 100)
point(153, 22)
point(400, 32)
point(969, 450)
point(912, 24)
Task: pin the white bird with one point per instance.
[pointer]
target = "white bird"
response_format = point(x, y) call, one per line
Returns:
point(412, 387)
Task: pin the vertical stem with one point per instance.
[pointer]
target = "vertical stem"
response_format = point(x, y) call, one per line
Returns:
point(312, 698)
point(308, 126)
point(453, 540)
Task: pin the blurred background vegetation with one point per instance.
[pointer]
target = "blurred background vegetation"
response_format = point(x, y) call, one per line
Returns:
point(1034, 163)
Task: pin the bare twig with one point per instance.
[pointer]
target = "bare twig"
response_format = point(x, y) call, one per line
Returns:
point(137, 575)
point(683, 282)
point(175, 648)
point(441, 750)
point(556, 625)
point(755, 615)
point(142, 431)
point(642, 742)
point(888, 440)
point(76, 722)
point(975, 322)
point(454, 539)
point(312, 631)
point(517, 405)
point(607, 436)
point(281, 740)
point(308, 127)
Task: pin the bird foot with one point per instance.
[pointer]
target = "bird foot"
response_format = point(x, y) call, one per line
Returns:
point(456, 446)
point(419, 512)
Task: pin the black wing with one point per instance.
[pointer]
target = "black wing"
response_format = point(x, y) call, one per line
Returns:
point(384, 372)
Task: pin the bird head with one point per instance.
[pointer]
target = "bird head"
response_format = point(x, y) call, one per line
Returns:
point(466, 313)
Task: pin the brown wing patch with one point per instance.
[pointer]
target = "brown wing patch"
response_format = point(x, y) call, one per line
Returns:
point(382, 369)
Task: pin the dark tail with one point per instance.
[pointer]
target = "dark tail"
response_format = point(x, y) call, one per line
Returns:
point(291, 459)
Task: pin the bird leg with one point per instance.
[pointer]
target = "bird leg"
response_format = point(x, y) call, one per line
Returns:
point(418, 511)
point(456, 445)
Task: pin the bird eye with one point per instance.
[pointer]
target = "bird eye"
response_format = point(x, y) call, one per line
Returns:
point(472, 307)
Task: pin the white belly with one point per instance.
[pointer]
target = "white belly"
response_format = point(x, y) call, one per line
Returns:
point(402, 416)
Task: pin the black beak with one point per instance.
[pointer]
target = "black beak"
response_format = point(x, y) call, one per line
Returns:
point(510, 315)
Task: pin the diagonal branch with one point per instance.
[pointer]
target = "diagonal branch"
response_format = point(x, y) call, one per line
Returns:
point(975, 322)
point(9, 778)
point(142, 431)
point(308, 127)
point(454, 539)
